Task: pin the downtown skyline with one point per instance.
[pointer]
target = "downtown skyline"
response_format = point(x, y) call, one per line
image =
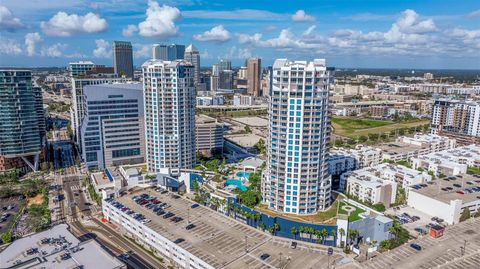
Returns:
point(430, 34)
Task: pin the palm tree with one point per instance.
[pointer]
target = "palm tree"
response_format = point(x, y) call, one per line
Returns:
point(324, 234)
point(294, 231)
point(342, 234)
point(276, 227)
point(318, 234)
point(303, 229)
point(334, 234)
point(395, 229)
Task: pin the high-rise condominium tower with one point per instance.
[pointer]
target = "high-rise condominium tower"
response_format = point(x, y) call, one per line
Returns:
point(296, 178)
point(254, 76)
point(123, 58)
point(169, 93)
point(192, 55)
point(20, 123)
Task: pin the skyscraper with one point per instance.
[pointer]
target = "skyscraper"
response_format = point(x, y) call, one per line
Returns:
point(192, 55)
point(123, 58)
point(225, 80)
point(224, 64)
point(296, 178)
point(169, 93)
point(254, 76)
point(168, 52)
point(20, 122)
point(82, 78)
point(112, 131)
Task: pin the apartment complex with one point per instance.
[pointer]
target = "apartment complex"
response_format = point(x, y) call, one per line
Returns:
point(371, 189)
point(296, 178)
point(457, 119)
point(402, 175)
point(22, 126)
point(123, 58)
point(169, 99)
point(254, 72)
point(80, 68)
point(168, 52)
point(449, 162)
point(209, 135)
point(113, 127)
point(243, 100)
point(192, 55)
point(342, 160)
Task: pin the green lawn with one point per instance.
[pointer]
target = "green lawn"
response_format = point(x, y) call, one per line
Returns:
point(353, 127)
point(354, 123)
point(473, 170)
point(354, 215)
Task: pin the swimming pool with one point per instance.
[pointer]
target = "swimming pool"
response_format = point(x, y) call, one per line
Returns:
point(236, 182)
point(243, 174)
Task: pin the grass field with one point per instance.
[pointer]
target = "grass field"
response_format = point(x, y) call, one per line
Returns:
point(36, 200)
point(354, 127)
point(354, 215)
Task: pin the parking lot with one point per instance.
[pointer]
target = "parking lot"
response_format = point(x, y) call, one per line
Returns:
point(217, 239)
point(8, 208)
point(411, 225)
point(444, 252)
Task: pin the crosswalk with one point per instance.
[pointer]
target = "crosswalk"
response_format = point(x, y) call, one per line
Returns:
point(75, 188)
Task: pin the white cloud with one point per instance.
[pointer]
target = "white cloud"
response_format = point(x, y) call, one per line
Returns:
point(31, 40)
point(54, 50)
point(216, 34)
point(63, 24)
point(309, 31)
point(409, 23)
point(160, 21)
point(129, 30)
point(143, 51)
point(8, 22)
point(475, 14)
point(102, 50)
point(300, 16)
point(237, 53)
point(10, 47)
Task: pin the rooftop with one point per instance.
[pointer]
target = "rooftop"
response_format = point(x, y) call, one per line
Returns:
point(394, 148)
point(451, 188)
point(252, 121)
point(56, 248)
point(219, 240)
point(244, 140)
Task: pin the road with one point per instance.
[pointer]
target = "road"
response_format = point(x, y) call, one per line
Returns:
point(87, 226)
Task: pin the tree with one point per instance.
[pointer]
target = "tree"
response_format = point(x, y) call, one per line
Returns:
point(324, 235)
point(395, 229)
point(379, 207)
point(385, 244)
point(465, 214)
point(7, 237)
point(373, 137)
point(294, 231)
point(362, 139)
point(338, 142)
point(247, 129)
point(342, 234)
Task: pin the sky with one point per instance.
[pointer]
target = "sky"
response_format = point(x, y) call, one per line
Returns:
point(422, 34)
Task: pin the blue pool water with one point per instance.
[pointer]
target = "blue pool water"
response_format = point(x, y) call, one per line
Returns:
point(237, 183)
point(243, 174)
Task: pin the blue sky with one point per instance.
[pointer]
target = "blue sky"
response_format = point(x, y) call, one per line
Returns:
point(442, 34)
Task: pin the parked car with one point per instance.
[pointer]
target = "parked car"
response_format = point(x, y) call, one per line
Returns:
point(194, 206)
point(416, 246)
point(264, 256)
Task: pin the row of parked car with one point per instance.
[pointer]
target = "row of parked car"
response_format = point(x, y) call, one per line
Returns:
point(406, 218)
point(137, 216)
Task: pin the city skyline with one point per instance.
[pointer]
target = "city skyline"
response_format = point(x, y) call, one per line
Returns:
point(443, 35)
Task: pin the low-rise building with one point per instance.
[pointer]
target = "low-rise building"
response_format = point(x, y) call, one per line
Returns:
point(342, 160)
point(57, 248)
point(449, 162)
point(243, 100)
point(448, 198)
point(405, 148)
point(371, 189)
point(210, 100)
point(371, 184)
